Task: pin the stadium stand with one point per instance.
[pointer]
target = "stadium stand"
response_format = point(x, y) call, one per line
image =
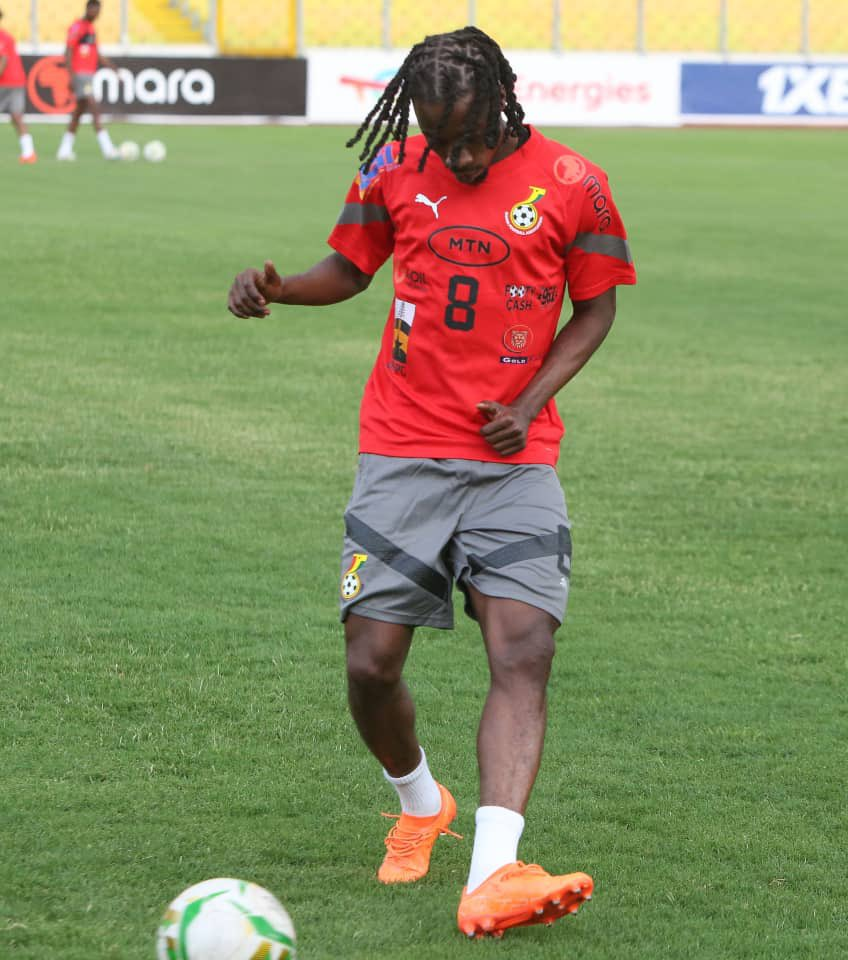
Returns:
point(261, 27)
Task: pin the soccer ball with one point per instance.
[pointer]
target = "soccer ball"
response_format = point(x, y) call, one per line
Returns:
point(225, 919)
point(129, 150)
point(155, 151)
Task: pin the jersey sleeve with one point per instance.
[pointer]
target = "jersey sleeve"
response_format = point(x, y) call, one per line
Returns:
point(73, 35)
point(364, 232)
point(599, 256)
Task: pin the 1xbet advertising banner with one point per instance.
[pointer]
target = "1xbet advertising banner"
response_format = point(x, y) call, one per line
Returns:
point(765, 92)
point(572, 90)
point(214, 87)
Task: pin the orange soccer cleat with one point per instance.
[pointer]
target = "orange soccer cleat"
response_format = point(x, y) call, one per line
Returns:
point(30, 158)
point(518, 895)
point(411, 840)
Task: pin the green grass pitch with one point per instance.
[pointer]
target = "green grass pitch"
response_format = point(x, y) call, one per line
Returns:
point(172, 480)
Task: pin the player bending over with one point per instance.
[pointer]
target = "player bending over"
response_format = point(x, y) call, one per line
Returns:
point(489, 223)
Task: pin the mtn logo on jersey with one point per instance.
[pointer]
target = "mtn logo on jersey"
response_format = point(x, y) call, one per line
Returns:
point(351, 584)
point(523, 218)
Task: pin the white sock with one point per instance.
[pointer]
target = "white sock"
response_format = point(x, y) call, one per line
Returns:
point(27, 148)
point(495, 842)
point(418, 791)
point(66, 148)
point(107, 148)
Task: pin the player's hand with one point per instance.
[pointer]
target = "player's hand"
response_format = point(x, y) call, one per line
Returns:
point(507, 428)
point(252, 291)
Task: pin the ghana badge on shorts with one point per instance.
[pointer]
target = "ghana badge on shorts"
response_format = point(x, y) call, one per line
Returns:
point(523, 218)
point(351, 584)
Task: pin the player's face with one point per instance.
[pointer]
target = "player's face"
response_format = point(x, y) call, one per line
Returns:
point(472, 161)
point(92, 11)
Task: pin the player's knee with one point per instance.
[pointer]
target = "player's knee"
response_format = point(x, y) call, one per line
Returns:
point(527, 654)
point(371, 670)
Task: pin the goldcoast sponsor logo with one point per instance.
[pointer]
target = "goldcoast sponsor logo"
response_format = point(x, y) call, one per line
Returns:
point(469, 246)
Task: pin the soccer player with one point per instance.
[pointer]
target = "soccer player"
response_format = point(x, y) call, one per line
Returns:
point(489, 224)
point(82, 58)
point(12, 96)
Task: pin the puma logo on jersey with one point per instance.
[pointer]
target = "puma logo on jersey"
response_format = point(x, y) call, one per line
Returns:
point(432, 204)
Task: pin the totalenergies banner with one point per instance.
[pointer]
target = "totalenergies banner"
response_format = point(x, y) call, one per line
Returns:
point(555, 90)
point(208, 86)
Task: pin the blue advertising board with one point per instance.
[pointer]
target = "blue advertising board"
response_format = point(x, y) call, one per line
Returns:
point(780, 91)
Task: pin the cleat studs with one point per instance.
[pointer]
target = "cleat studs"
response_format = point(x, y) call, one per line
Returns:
point(573, 909)
point(577, 890)
point(588, 897)
point(539, 911)
point(555, 902)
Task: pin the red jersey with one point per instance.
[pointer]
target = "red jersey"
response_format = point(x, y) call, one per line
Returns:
point(13, 75)
point(480, 273)
point(82, 42)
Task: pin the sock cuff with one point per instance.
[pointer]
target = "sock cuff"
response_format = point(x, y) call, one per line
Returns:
point(500, 815)
point(408, 777)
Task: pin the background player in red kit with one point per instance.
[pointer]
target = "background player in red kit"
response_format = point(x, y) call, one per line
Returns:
point(489, 223)
point(82, 58)
point(12, 93)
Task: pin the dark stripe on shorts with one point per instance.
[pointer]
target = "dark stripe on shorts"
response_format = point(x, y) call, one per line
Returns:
point(549, 545)
point(404, 563)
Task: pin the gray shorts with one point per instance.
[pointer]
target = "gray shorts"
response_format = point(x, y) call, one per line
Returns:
point(84, 86)
point(12, 100)
point(413, 528)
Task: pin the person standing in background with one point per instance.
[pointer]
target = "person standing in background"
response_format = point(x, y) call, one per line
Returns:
point(82, 58)
point(12, 95)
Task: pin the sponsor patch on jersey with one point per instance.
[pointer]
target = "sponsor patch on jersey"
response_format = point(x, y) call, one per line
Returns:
point(404, 316)
point(518, 338)
point(351, 581)
point(523, 217)
point(469, 246)
point(569, 169)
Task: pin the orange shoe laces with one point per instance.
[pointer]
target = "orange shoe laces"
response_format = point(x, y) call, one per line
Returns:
point(403, 841)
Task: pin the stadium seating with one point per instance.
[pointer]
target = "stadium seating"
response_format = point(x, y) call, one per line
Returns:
point(261, 27)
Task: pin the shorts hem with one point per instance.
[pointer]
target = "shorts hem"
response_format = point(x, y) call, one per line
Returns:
point(407, 619)
point(556, 612)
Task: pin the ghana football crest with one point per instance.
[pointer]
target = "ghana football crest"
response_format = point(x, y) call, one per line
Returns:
point(523, 218)
point(351, 584)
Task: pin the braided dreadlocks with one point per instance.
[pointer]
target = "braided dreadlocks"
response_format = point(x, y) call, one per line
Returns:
point(444, 68)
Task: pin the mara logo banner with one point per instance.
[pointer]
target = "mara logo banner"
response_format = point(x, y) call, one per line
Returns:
point(176, 86)
point(808, 92)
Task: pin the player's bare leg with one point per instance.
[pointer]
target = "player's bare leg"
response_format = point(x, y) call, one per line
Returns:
point(502, 892)
point(24, 138)
point(76, 116)
point(379, 699)
point(66, 148)
point(107, 148)
point(384, 712)
point(520, 646)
